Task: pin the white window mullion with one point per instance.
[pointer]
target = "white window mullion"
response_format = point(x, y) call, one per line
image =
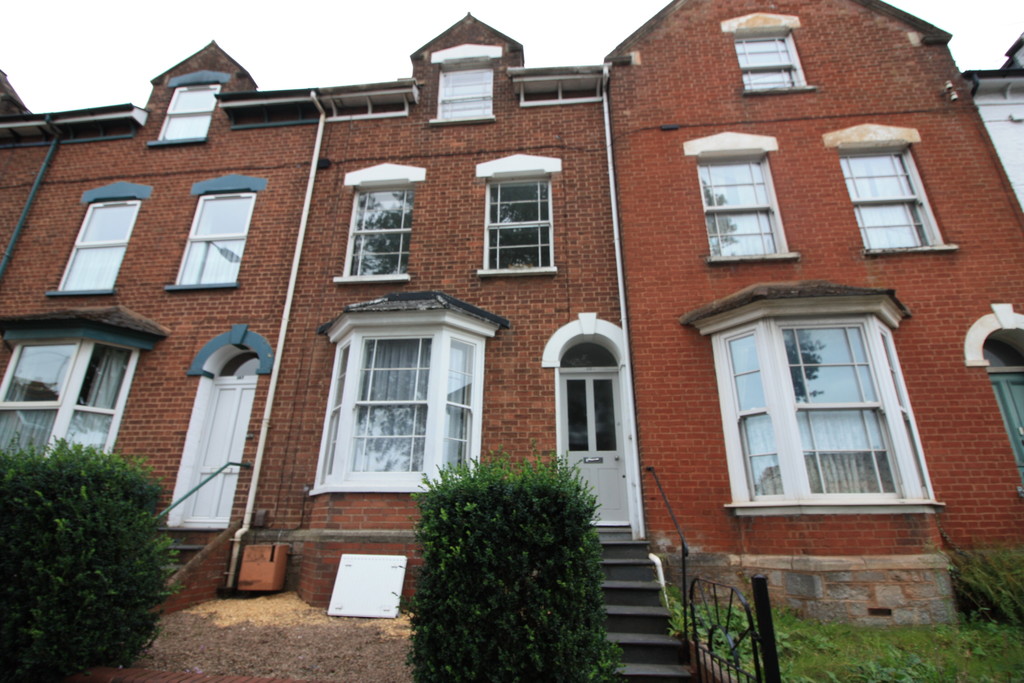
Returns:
point(781, 402)
point(72, 387)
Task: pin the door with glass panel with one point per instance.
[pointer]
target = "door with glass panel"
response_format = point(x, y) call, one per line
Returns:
point(592, 436)
point(222, 440)
point(1006, 370)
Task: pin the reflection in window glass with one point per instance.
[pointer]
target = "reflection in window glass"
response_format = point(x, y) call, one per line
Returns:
point(519, 225)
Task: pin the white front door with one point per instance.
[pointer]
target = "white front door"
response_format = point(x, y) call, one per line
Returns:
point(592, 436)
point(221, 440)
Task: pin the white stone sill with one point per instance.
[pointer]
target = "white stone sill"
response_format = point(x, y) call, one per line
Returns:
point(933, 248)
point(876, 507)
point(516, 272)
point(363, 279)
point(756, 258)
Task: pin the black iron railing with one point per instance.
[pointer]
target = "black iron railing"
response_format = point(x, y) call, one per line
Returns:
point(728, 644)
point(684, 550)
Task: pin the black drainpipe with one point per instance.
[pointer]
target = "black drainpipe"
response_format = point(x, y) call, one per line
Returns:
point(9, 252)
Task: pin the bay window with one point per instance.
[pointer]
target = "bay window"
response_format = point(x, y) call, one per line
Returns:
point(406, 394)
point(814, 408)
point(66, 389)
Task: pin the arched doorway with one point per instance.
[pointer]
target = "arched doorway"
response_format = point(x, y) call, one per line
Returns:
point(217, 434)
point(1006, 371)
point(591, 425)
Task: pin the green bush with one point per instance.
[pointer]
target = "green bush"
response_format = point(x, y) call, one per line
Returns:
point(990, 582)
point(511, 583)
point(82, 563)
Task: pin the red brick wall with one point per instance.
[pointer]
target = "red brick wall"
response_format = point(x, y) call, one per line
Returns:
point(866, 70)
point(447, 250)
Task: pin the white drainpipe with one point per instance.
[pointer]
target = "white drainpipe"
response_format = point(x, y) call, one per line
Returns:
point(634, 460)
point(250, 503)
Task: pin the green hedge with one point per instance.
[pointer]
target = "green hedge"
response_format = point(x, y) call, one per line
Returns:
point(511, 583)
point(81, 561)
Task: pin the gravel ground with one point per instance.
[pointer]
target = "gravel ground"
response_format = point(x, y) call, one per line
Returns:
point(279, 636)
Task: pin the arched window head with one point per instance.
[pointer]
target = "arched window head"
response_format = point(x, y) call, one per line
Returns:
point(588, 355)
point(1000, 353)
point(242, 365)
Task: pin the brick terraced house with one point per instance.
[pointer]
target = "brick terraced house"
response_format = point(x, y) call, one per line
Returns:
point(823, 264)
point(345, 288)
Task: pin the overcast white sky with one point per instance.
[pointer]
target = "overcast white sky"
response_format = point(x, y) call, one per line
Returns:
point(73, 54)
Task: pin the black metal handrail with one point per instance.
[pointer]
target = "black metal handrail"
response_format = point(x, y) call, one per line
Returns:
point(684, 549)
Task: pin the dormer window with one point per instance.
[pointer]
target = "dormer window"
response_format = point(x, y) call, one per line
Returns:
point(466, 86)
point(190, 112)
point(466, 94)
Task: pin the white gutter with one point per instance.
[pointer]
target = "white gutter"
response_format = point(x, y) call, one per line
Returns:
point(250, 503)
point(633, 462)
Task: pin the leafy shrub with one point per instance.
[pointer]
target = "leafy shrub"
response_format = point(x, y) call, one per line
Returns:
point(990, 582)
point(511, 583)
point(82, 564)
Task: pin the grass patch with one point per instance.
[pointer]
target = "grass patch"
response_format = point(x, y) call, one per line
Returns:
point(973, 650)
point(976, 650)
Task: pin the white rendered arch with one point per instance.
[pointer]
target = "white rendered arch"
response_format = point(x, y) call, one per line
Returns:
point(1001, 318)
point(586, 328)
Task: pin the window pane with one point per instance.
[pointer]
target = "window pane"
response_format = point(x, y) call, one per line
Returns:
point(604, 415)
point(758, 437)
point(390, 438)
point(576, 404)
point(744, 234)
point(891, 226)
point(194, 99)
point(762, 52)
point(103, 377)
point(109, 223)
point(212, 262)
point(40, 373)
point(94, 268)
point(89, 429)
point(223, 216)
point(193, 126)
point(844, 452)
point(823, 366)
point(734, 185)
point(460, 373)
point(24, 428)
point(396, 370)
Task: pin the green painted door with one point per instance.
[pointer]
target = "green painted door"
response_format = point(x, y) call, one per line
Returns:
point(1009, 388)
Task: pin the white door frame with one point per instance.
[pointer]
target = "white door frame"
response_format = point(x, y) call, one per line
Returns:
point(588, 328)
point(187, 470)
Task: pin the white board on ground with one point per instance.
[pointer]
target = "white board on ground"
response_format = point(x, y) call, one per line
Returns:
point(368, 586)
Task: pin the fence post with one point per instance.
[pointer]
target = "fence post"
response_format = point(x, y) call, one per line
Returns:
point(766, 629)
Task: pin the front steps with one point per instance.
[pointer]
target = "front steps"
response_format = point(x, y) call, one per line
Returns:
point(635, 618)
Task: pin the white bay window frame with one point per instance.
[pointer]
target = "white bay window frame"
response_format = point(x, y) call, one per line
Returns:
point(445, 330)
point(781, 408)
point(71, 398)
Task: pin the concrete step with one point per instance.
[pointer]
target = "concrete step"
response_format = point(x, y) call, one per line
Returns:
point(624, 550)
point(652, 673)
point(627, 570)
point(632, 593)
point(647, 648)
point(636, 619)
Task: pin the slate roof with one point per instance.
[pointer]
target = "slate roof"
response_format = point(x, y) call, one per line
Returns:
point(804, 289)
point(418, 301)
